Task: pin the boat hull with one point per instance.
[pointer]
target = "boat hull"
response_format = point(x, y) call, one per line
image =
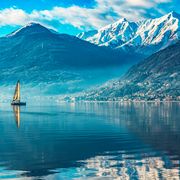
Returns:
point(18, 104)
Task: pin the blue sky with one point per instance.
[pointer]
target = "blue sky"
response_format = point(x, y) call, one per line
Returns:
point(74, 16)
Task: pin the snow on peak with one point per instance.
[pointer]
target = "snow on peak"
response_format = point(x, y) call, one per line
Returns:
point(32, 24)
point(28, 28)
point(118, 32)
point(173, 14)
point(151, 32)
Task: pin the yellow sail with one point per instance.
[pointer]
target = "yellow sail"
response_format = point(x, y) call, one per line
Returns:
point(17, 92)
point(16, 98)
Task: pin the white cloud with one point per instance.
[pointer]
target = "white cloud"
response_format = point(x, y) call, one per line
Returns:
point(103, 13)
point(142, 3)
point(13, 16)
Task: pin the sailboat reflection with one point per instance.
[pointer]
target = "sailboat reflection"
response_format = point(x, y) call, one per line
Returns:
point(16, 110)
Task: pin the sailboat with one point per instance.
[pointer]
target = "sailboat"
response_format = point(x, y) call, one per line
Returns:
point(16, 99)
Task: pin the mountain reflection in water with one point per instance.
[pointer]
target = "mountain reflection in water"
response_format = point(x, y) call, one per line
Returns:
point(89, 140)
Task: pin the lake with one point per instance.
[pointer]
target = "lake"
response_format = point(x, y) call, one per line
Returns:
point(90, 141)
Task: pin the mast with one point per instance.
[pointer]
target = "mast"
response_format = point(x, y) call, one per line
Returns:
point(19, 90)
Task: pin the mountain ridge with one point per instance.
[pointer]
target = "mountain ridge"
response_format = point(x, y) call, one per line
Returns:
point(155, 78)
point(145, 37)
point(31, 27)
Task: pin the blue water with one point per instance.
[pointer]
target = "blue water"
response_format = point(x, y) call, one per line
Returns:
point(90, 141)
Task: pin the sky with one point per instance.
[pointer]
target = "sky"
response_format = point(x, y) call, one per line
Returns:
point(75, 16)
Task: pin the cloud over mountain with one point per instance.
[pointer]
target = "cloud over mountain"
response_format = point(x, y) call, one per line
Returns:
point(102, 13)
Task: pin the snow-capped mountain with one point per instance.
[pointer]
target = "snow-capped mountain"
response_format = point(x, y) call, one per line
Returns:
point(112, 35)
point(144, 37)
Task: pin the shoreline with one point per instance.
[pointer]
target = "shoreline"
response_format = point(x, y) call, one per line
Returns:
point(121, 101)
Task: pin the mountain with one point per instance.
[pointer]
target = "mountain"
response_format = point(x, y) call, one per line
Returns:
point(144, 37)
point(37, 44)
point(112, 35)
point(156, 78)
point(55, 63)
